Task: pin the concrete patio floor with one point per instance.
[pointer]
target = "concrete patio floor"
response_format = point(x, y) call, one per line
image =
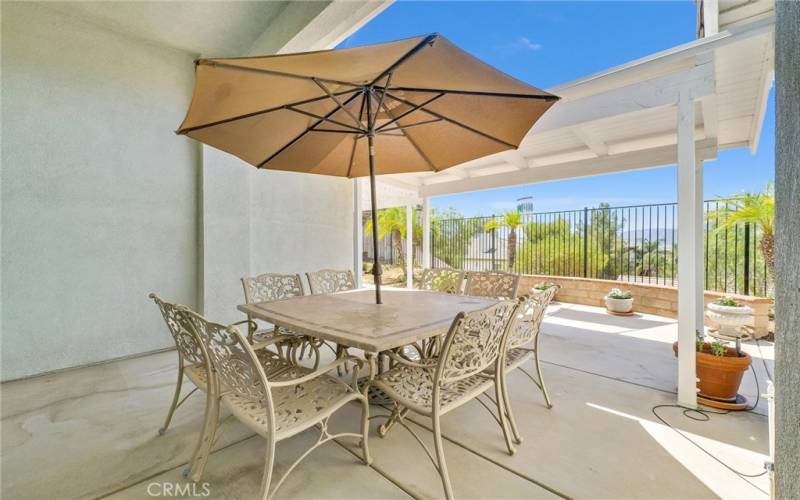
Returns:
point(91, 432)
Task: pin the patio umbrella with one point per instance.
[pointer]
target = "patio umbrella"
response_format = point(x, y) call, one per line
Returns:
point(419, 104)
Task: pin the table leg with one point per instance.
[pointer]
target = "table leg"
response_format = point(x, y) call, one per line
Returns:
point(374, 395)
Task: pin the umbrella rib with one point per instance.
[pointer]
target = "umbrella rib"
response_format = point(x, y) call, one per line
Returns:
point(256, 113)
point(414, 144)
point(401, 127)
point(456, 122)
point(408, 112)
point(546, 97)
point(428, 40)
point(355, 140)
point(213, 63)
point(304, 132)
point(338, 102)
point(320, 117)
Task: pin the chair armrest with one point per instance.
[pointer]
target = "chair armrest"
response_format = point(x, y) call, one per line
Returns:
point(321, 371)
point(429, 364)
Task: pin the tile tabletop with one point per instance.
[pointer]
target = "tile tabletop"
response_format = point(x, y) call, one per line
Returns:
point(353, 319)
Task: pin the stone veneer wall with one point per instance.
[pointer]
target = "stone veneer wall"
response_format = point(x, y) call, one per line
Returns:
point(651, 299)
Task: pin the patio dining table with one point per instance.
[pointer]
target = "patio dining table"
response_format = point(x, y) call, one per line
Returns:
point(353, 319)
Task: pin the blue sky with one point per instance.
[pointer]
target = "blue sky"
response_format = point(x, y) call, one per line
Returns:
point(548, 43)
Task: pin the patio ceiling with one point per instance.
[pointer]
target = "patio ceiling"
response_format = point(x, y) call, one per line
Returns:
point(625, 118)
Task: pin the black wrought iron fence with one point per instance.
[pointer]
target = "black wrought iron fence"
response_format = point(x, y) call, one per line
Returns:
point(635, 243)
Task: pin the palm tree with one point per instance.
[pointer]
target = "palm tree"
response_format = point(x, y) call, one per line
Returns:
point(512, 220)
point(392, 221)
point(757, 209)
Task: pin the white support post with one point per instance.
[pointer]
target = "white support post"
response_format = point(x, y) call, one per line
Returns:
point(358, 233)
point(409, 246)
point(426, 232)
point(689, 214)
point(699, 255)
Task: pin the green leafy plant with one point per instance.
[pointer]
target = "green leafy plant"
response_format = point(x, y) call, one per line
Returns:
point(616, 293)
point(700, 340)
point(718, 348)
point(728, 302)
point(543, 286)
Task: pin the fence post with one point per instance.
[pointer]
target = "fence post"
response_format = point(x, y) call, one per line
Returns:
point(585, 240)
point(746, 258)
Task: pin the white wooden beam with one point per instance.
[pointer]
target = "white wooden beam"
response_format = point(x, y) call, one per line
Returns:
point(710, 17)
point(649, 158)
point(409, 246)
point(643, 95)
point(515, 158)
point(698, 247)
point(767, 76)
point(426, 232)
point(597, 146)
point(358, 232)
point(688, 218)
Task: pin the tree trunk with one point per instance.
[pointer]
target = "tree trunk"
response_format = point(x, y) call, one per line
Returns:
point(768, 250)
point(512, 249)
point(398, 246)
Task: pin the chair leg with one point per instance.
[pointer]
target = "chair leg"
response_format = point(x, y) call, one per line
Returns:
point(501, 410)
point(541, 378)
point(437, 440)
point(266, 478)
point(175, 398)
point(509, 413)
point(205, 444)
point(365, 431)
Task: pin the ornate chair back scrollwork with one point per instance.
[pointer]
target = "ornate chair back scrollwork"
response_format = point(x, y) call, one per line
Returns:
point(529, 321)
point(270, 287)
point(442, 279)
point(191, 361)
point(474, 342)
point(330, 281)
point(492, 284)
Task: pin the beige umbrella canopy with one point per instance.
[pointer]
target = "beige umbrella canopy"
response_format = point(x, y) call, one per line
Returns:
point(406, 106)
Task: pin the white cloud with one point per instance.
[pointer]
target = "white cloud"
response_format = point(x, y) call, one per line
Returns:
point(525, 42)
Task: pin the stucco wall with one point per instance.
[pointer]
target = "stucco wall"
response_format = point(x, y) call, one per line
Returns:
point(98, 196)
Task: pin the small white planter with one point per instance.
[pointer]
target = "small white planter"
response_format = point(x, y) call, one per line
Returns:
point(730, 319)
point(619, 305)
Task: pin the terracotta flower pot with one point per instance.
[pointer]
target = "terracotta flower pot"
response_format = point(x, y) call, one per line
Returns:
point(720, 376)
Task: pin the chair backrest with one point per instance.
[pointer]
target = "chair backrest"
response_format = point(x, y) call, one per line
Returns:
point(547, 294)
point(442, 279)
point(233, 360)
point(183, 334)
point(330, 281)
point(492, 284)
point(269, 287)
point(529, 321)
point(475, 341)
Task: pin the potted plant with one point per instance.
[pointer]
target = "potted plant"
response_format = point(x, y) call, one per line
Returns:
point(719, 369)
point(619, 302)
point(545, 290)
point(730, 315)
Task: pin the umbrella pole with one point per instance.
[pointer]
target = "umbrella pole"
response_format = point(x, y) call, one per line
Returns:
point(376, 265)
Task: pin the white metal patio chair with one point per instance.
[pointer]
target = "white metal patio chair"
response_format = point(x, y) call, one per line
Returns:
point(269, 287)
point(193, 364)
point(523, 345)
point(492, 284)
point(330, 281)
point(434, 387)
point(442, 279)
point(278, 407)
